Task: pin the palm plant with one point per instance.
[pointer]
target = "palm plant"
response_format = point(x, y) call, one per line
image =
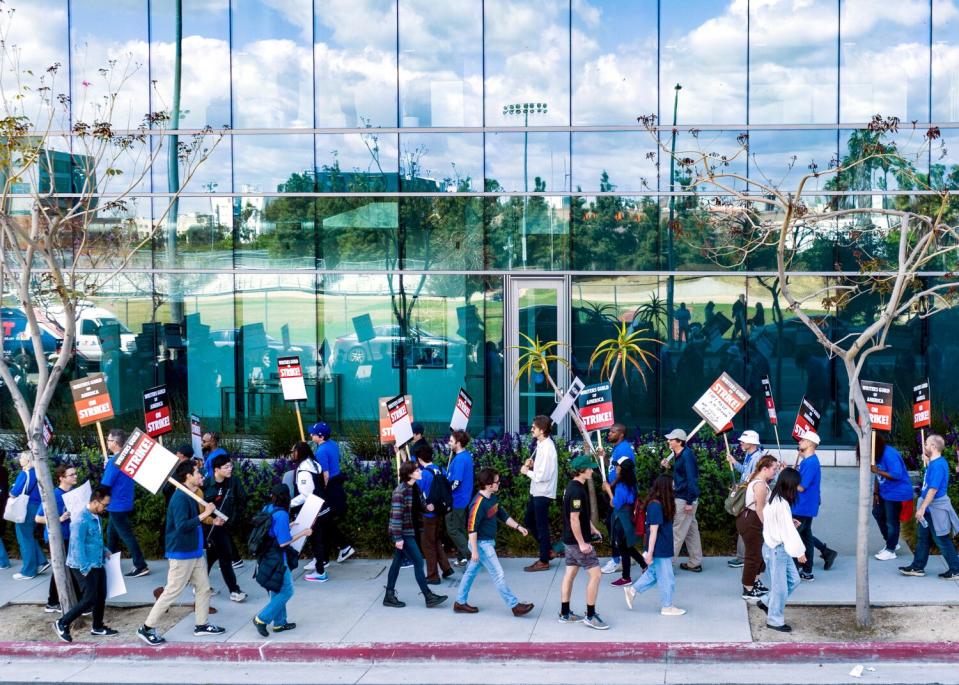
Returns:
point(652, 313)
point(535, 357)
point(622, 351)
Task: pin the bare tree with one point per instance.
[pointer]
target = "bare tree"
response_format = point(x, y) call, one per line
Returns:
point(68, 220)
point(892, 243)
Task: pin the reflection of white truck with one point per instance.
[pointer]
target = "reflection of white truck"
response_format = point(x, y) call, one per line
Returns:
point(89, 321)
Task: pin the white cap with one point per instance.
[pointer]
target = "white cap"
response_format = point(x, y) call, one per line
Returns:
point(811, 436)
point(749, 437)
point(676, 434)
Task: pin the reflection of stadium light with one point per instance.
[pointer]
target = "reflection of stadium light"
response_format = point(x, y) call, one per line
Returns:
point(524, 109)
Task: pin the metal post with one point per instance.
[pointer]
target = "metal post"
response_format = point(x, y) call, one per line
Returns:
point(670, 258)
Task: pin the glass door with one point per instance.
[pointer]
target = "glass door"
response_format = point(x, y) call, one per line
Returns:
point(538, 310)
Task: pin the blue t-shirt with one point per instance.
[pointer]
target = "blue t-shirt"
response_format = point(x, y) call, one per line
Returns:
point(281, 525)
point(623, 449)
point(810, 474)
point(898, 488)
point(328, 455)
point(26, 482)
point(664, 536)
point(208, 462)
point(623, 495)
point(61, 507)
point(461, 469)
point(121, 487)
point(937, 476)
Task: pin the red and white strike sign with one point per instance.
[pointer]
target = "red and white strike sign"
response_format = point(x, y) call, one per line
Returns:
point(386, 427)
point(462, 411)
point(721, 402)
point(91, 399)
point(596, 406)
point(47, 431)
point(879, 400)
point(156, 411)
point(146, 461)
point(921, 406)
point(807, 419)
point(291, 379)
point(770, 403)
point(400, 420)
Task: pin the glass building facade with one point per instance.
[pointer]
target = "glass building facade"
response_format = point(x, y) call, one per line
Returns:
point(407, 186)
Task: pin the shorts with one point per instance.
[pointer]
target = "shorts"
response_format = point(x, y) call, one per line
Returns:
point(574, 557)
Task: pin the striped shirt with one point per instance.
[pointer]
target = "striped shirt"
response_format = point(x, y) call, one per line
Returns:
point(401, 512)
point(482, 516)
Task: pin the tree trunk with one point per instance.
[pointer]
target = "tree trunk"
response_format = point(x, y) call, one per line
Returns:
point(857, 406)
point(58, 559)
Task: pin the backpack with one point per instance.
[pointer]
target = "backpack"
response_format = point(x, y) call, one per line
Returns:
point(259, 541)
point(639, 517)
point(441, 494)
point(736, 500)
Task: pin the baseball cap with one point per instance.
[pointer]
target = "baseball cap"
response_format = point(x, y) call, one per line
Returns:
point(186, 451)
point(417, 428)
point(583, 462)
point(811, 436)
point(749, 437)
point(676, 434)
point(321, 428)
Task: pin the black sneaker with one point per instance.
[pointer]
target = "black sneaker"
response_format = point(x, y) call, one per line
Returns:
point(260, 627)
point(754, 594)
point(238, 563)
point(784, 628)
point(104, 631)
point(735, 563)
point(52, 609)
point(949, 575)
point(139, 572)
point(808, 577)
point(149, 635)
point(448, 572)
point(760, 585)
point(829, 558)
point(910, 571)
point(283, 628)
point(62, 631)
point(208, 629)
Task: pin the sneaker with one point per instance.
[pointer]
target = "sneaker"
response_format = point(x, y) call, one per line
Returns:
point(260, 627)
point(52, 609)
point(459, 562)
point(621, 582)
point(688, 567)
point(570, 618)
point(149, 635)
point(806, 576)
point(898, 547)
point(910, 571)
point(310, 566)
point(238, 563)
point(596, 623)
point(886, 555)
point(611, 567)
point(409, 564)
point(345, 554)
point(20, 576)
point(949, 575)
point(829, 558)
point(208, 629)
point(784, 628)
point(285, 627)
point(237, 596)
point(671, 611)
point(139, 572)
point(753, 595)
point(104, 631)
point(316, 577)
point(43, 568)
point(630, 593)
point(762, 587)
point(87, 614)
point(735, 563)
point(448, 572)
point(62, 631)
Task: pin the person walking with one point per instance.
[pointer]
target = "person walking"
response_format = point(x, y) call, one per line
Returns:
point(309, 481)
point(622, 531)
point(210, 445)
point(122, 493)
point(892, 488)
point(806, 507)
point(749, 444)
point(580, 554)
point(184, 550)
point(328, 456)
point(686, 489)
point(658, 548)
point(749, 525)
point(781, 544)
point(935, 514)
point(543, 473)
point(484, 512)
point(402, 534)
point(622, 449)
point(86, 555)
point(32, 560)
point(224, 491)
point(432, 521)
point(460, 475)
point(273, 571)
point(66, 476)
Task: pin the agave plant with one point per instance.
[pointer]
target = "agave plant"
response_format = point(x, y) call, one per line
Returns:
point(622, 351)
point(535, 357)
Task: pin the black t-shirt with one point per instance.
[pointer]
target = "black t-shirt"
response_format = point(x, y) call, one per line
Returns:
point(576, 500)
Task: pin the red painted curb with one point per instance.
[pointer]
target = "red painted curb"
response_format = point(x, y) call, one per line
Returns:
point(711, 652)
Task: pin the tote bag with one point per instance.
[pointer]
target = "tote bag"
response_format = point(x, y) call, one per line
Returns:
point(16, 509)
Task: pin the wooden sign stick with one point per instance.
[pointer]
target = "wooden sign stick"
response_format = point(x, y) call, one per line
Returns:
point(599, 454)
point(729, 454)
point(778, 445)
point(299, 420)
point(103, 442)
point(872, 452)
point(193, 495)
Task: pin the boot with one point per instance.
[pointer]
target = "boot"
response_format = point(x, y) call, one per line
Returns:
point(390, 600)
point(433, 599)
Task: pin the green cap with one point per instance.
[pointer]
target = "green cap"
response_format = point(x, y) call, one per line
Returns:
point(583, 462)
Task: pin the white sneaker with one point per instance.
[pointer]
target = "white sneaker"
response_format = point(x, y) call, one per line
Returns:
point(237, 596)
point(630, 593)
point(612, 567)
point(672, 611)
point(880, 550)
point(20, 576)
point(311, 566)
point(345, 554)
point(886, 555)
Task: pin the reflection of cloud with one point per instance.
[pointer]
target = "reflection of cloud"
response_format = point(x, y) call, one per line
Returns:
point(273, 85)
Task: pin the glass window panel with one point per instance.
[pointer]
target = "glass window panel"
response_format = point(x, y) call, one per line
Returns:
point(359, 233)
point(793, 75)
point(945, 61)
point(204, 233)
point(903, 174)
point(432, 162)
point(355, 62)
point(884, 60)
point(527, 162)
point(210, 176)
point(442, 232)
point(614, 71)
point(780, 159)
point(703, 49)
point(273, 65)
point(614, 161)
point(36, 37)
point(527, 233)
point(367, 162)
point(527, 60)
point(615, 233)
point(112, 234)
point(441, 63)
point(722, 149)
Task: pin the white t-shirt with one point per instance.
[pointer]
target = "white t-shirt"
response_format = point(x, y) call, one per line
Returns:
point(545, 473)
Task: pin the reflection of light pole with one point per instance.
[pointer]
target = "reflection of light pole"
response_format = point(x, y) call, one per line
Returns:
point(670, 259)
point(525, 109)
point(214, 210)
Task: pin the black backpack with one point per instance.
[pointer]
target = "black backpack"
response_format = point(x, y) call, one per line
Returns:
point(259, 541)
point(441, 494)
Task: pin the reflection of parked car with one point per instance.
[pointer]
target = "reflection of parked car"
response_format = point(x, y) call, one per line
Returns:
point(423, 349)
point(90, 321)
point(17, 346)
point(266, 348)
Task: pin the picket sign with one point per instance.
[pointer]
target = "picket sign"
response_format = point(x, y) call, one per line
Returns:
point(595, 409)
point(402, 426)
point(292, 385)
point(461, 411)
point(879, 400)
point(91, 400)
point(156, 412)
point(196, 434)
point(921, 408)
point(718, 405)
point(771, 410)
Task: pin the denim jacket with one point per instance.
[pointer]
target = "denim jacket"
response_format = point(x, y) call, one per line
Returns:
point(86, 548)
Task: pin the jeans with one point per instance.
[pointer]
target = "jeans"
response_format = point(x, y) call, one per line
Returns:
point(275, 610)
point(30, 553)
point(411, 552)
point(810, 541)
point(537, 521)
point(489, 561)
point(925, 535)
point(4, 559)
point(218, 549)
point(120, 529)
point(783, 579)
point(456, 528)
point(660, 574)
point(886, 512)
point(94, 596)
